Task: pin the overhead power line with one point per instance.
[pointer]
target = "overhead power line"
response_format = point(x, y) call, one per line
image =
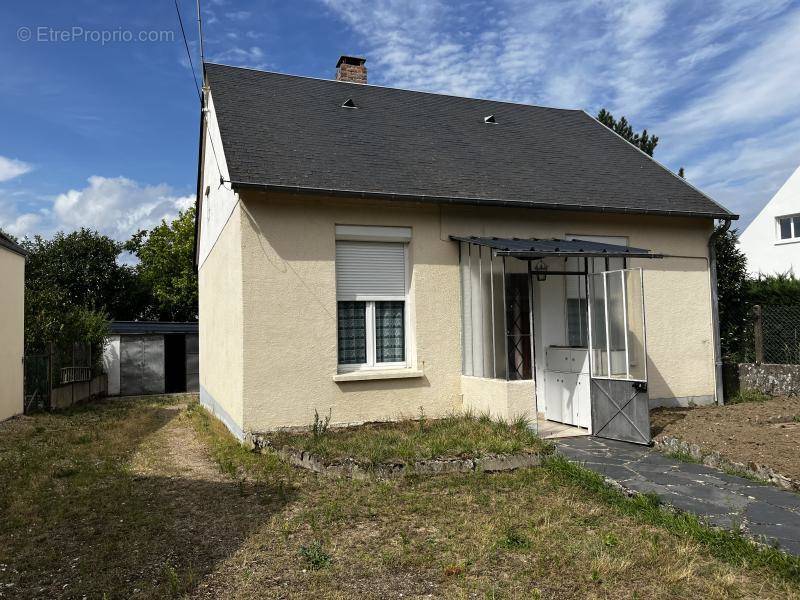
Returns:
point(194, 74)
point(188, 52)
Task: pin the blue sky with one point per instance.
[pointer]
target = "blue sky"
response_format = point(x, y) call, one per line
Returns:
point(104, 134)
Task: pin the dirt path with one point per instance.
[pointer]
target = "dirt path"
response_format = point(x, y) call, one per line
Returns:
point(174, 451)
point(211, 513)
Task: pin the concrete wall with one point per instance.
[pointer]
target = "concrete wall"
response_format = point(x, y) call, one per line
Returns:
point(221, 327)
point(498, 398)
point(12, 332)
point(766, 252)
point(289, 303)
point(73, 393)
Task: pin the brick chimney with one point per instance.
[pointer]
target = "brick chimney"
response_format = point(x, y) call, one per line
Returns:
point(352, 69)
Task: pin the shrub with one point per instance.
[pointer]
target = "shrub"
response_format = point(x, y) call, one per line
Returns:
point(749, 395)
point(320, 426)
point(315, 555)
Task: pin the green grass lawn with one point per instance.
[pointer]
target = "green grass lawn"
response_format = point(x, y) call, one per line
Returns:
point(148, 499)
point(458, 435)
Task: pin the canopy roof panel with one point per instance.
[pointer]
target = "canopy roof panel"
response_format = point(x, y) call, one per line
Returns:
point(540, 248)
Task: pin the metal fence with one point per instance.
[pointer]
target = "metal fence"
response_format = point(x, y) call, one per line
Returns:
point(774, 337)
point(58, 366)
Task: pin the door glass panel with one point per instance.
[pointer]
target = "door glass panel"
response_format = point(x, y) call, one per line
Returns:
point(616, 324)
point(597, 325)
point(635, 325)
point(618, 349)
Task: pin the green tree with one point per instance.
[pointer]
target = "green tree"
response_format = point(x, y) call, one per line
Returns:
point(8, 236)
point(780, 288)
point(72, 284)
point(645, 142)
point(731, 286)
point(166, 267)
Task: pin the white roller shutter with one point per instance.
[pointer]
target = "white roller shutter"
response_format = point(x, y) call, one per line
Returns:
point(369, 269)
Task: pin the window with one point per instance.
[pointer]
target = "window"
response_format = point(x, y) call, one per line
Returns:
point(371, 304)
point(788, 227)
point(495, 305)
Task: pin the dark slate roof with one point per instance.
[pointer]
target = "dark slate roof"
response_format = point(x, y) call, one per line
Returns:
point(291, 133)
point(535, 248)
point(142, 327)
point(9, 244)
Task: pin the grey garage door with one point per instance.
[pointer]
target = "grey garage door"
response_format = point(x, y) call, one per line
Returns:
point(192, 363)
point(141, 365)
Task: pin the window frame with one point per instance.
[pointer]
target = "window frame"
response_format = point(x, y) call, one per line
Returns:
point(794, 232)
point(369, 319)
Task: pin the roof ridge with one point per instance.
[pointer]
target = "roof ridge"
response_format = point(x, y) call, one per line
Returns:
point(397, 89)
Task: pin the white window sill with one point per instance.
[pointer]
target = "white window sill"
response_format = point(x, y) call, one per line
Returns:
point(787, 241)
point(368, 375)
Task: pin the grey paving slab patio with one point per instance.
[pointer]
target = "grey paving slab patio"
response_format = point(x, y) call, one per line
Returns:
point(763, 512)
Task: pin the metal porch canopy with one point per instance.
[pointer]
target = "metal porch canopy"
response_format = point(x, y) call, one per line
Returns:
point(531, 248)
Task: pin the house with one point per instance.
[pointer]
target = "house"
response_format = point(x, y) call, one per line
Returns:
point(772, 241)
point(371, 253)
point(12, 326)
point(151, 357)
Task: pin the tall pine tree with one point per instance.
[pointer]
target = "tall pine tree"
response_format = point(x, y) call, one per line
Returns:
point(644, 141)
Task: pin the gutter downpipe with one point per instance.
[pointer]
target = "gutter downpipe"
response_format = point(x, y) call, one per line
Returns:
point(719, 391)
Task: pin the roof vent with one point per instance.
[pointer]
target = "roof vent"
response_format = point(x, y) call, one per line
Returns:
point(349, 103)
point(490, 119)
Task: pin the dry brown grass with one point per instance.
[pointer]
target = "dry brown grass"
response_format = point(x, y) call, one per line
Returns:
point(141, 499)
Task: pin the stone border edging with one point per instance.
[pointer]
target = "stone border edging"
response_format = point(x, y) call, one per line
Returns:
point(354, 469)
point(715, 460)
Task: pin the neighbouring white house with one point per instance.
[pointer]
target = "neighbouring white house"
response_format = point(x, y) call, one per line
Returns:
point(772, 241)
point(12, 326)
point(371, 252)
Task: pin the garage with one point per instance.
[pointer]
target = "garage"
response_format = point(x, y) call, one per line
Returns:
point(151, 357)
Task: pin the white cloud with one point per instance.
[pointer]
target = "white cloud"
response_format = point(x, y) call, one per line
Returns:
point(11, 168)
point(716, 81)
point(239, 15)
point(116, 206)
point(252, 57)
point(760, 86)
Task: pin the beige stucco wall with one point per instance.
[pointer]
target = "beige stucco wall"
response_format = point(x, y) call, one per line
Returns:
point(289, 303)
point(221, 326)
point(498, 398)
point(12, 332)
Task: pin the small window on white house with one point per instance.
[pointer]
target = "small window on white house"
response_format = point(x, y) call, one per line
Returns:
point(789, 227)
point(371, 304)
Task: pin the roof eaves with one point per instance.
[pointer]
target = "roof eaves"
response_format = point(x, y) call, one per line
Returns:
point(298, 189)
point(9, 244)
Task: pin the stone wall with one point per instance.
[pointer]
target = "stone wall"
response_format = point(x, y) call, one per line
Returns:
point(774, 380)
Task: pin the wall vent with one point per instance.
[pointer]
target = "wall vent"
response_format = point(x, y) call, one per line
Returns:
point(349, 103)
